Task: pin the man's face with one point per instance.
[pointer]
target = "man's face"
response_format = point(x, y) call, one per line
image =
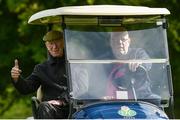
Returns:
point(55, 48)
point(120, 44)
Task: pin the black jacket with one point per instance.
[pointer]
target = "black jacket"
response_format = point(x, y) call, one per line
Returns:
point(50, 75)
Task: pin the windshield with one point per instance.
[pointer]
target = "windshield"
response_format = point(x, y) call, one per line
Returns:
point(117, 62)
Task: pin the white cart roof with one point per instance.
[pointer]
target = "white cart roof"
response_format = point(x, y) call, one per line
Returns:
point(52, 15)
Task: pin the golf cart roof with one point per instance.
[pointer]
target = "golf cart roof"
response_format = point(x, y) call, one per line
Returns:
point(52, 15)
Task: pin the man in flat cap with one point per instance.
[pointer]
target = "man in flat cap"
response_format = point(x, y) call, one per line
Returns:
point(50, 75)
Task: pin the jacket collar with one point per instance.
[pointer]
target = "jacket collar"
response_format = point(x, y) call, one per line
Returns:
point(55, 60)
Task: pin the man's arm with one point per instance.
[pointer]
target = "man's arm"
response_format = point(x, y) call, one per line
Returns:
point(24, 86)
point(141, 55)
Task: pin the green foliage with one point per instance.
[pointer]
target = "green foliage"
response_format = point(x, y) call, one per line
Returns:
point(18, 110)
point(23, 41)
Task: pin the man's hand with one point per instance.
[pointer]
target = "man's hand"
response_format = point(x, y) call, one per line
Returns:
point(15, 71)
point(57, 102)
point(134, 66)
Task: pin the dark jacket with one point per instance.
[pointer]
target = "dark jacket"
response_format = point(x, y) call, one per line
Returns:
point(50, 75)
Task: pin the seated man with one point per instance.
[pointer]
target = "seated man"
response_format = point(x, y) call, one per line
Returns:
point(132, 77)
point(50, 75)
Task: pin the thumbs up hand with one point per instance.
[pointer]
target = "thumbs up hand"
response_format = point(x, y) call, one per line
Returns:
point(15, 71)
point(16, 63)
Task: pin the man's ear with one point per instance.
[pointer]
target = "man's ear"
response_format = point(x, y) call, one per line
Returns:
point(46, 45)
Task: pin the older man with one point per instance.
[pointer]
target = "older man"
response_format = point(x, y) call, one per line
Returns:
point(50, 75)
point(131, 78)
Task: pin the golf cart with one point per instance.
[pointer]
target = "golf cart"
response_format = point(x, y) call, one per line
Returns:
point(101, 84)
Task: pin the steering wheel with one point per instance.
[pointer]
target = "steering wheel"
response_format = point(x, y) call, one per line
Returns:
point(129, 78)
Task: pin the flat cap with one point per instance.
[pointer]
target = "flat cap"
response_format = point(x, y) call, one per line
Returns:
point(53, 35)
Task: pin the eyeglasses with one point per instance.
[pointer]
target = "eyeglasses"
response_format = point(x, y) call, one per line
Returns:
point(54, 43)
